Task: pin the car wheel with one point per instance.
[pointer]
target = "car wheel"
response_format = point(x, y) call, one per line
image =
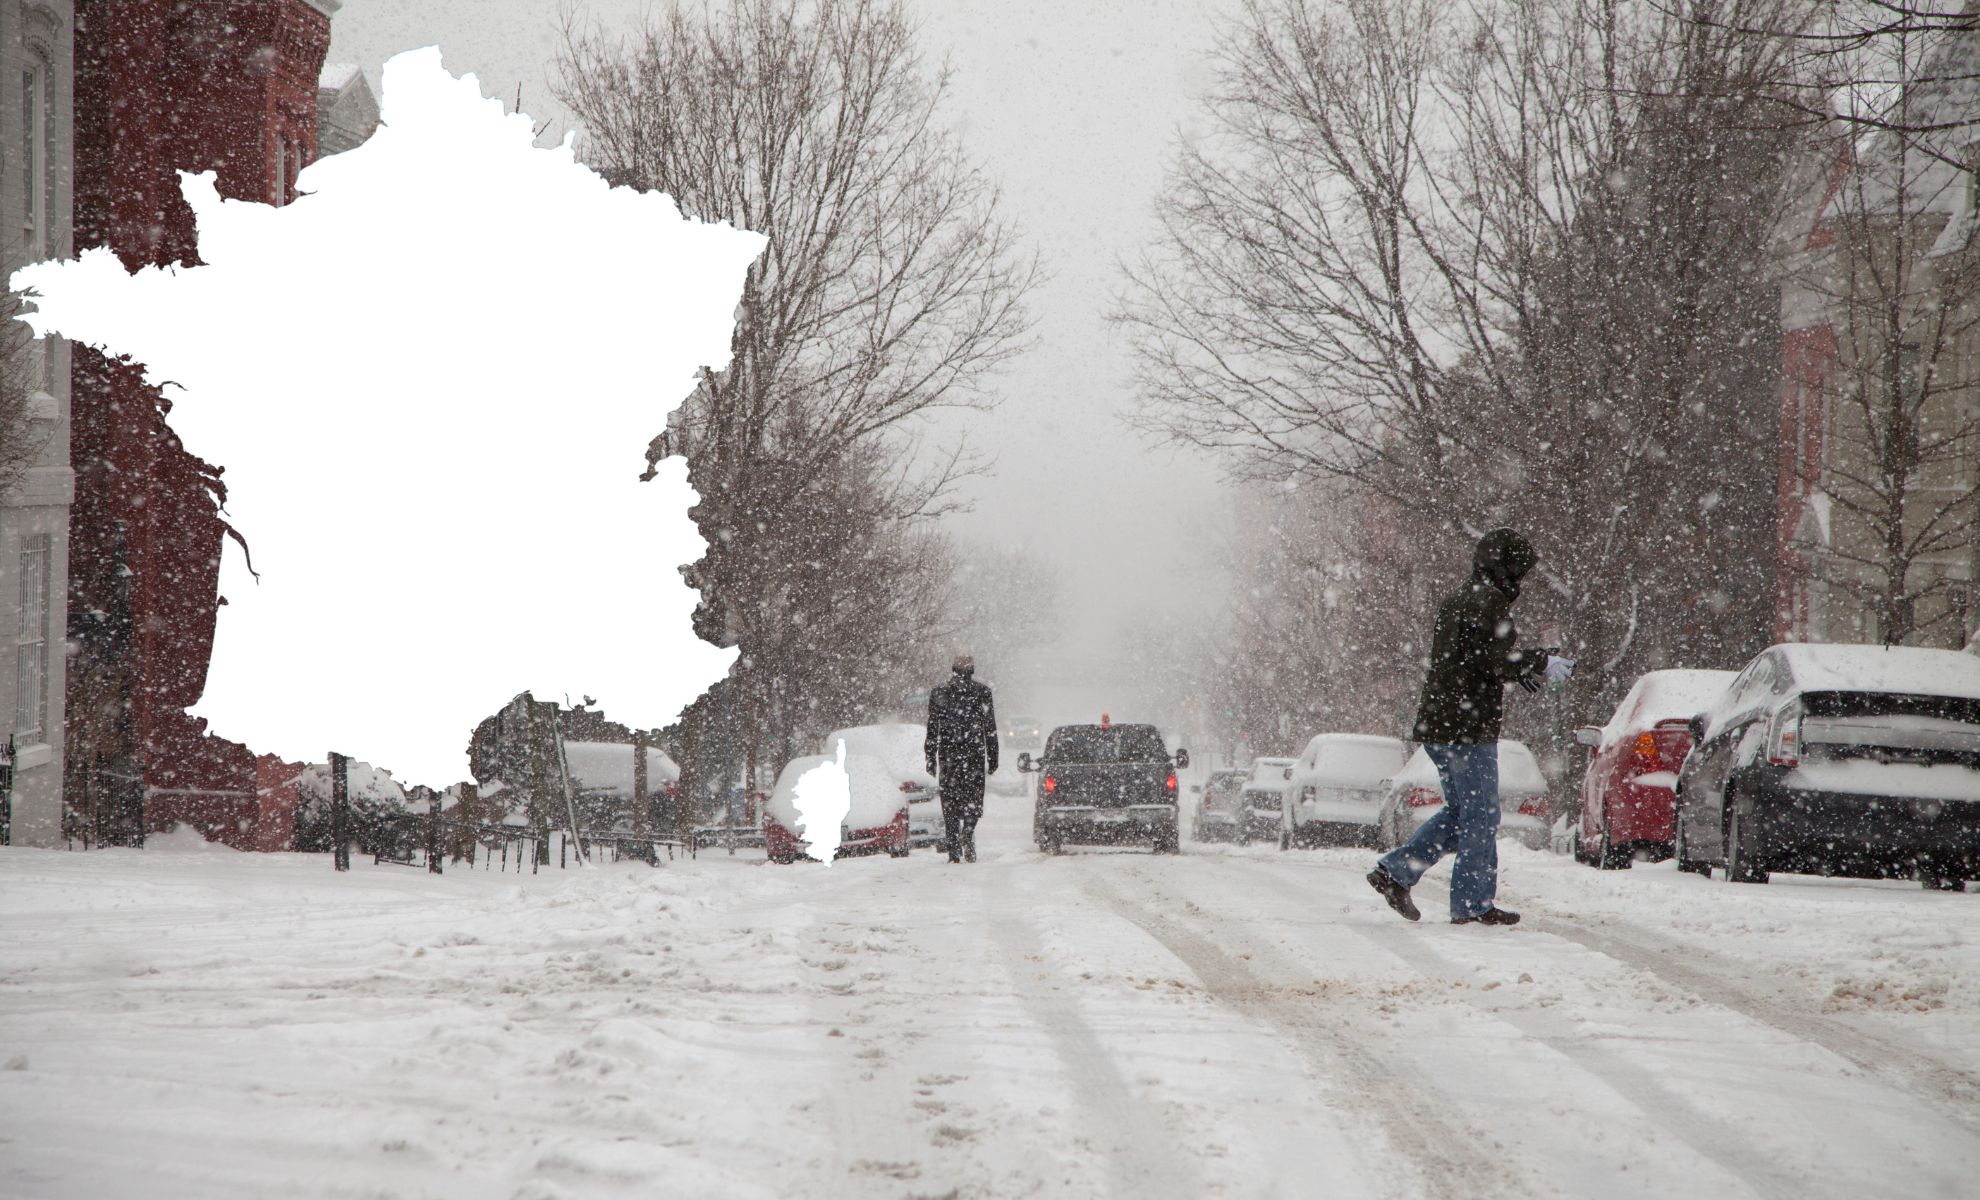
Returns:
point(1741, 866)
point(1166, 841)
point(1607, 856)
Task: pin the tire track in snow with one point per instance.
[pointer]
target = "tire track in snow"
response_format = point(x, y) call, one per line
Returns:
point(1142, 1163)
point(1641, 1089)
point(1448, 1158)
point(1953, 1094)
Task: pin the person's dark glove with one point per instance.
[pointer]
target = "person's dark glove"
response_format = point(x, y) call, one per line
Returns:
point(931, 766)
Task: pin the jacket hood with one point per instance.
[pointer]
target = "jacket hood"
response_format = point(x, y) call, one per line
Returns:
point(1502, 559)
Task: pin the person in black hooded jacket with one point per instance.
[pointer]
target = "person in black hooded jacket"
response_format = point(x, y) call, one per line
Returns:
point(1474, 654)
point(961, 750)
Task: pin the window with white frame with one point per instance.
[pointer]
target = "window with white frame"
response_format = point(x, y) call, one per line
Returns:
point(31, 647)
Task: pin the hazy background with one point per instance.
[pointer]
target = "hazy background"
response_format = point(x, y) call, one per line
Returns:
point(1072, 108)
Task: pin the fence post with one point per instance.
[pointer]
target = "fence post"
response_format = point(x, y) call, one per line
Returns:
point(340, 810)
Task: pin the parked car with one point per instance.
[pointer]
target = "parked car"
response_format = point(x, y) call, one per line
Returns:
point(901, 747)
point(1415, 794)
point(1219, 812)
point(1629, 792)
point(1336, 790)
point(1838, 760)
point(877, 820)
point(1264, 799)
point(1106, 784)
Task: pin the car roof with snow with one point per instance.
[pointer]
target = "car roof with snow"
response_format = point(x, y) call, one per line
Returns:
point(876, 794)
point(1356, 759)
point(1668, 695)
point(1519, 771)
point(1851, 667)
point(901, 746)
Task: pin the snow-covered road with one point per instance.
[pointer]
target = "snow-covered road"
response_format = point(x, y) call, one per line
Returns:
point(189, 1022)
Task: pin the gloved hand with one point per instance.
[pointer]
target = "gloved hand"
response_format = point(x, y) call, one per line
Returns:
point(1558, 668)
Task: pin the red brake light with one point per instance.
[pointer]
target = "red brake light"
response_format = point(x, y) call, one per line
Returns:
point(1172, 781)
point(1424, 798)
point(1051, 785)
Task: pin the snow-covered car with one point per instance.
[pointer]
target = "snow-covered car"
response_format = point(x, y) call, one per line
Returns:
point(1416, 793)
point(902, 747)
point(1336, 790)
point(1629, 792)
point(1264, 798)
point(1219, 812)
point(877, 819)
point(1838, 760)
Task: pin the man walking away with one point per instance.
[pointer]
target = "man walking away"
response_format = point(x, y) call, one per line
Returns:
point(962, 752)
point(1473, 654)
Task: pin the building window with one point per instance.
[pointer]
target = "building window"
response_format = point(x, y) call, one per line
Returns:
point(34, 158)
point(31, 648)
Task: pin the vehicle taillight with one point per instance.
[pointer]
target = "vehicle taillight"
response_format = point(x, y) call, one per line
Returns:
point(1784, 737)
point(1534, 806)
point(1645, 751)
point(1424, 798)
point(1172, 781)
point(909, 785)
point(1051, 785)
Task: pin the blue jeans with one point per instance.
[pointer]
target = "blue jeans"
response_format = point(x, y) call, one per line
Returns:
point(1468, 823)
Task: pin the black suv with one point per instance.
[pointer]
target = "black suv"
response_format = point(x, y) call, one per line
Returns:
point(1106, 785)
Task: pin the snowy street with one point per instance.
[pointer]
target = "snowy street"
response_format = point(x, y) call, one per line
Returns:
point(190, 1021)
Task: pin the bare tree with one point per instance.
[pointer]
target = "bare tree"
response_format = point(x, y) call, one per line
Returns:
point(890, 288)
point(1473, 264)
point(1888, 410)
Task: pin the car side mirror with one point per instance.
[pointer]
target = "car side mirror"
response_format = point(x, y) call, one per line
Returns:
point(1024, 761)
point(1589, 736)
point(1182, 760)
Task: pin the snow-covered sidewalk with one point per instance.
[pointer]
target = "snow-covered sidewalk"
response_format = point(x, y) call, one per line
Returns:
point(1243, 1022)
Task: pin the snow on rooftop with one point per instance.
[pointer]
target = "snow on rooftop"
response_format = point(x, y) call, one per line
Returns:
point(336, 76)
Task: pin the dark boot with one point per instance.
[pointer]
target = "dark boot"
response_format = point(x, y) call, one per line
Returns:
point(1395, 893)
point(1491, 916)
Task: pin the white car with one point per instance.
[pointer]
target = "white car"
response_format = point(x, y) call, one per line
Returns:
point(1415, 795)
point(1261, 806)
point(902, 748)
point(1337, 787)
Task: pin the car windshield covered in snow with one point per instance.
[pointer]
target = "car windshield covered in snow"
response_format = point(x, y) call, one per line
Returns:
point(1105, 744)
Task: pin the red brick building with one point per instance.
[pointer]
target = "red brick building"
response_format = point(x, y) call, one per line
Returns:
point(163, 86)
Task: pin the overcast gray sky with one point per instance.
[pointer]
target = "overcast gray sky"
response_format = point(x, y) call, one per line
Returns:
point(1071, 106)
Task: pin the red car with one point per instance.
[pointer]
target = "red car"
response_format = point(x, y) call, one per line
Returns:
point(876, 820)
point(1629, 794)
